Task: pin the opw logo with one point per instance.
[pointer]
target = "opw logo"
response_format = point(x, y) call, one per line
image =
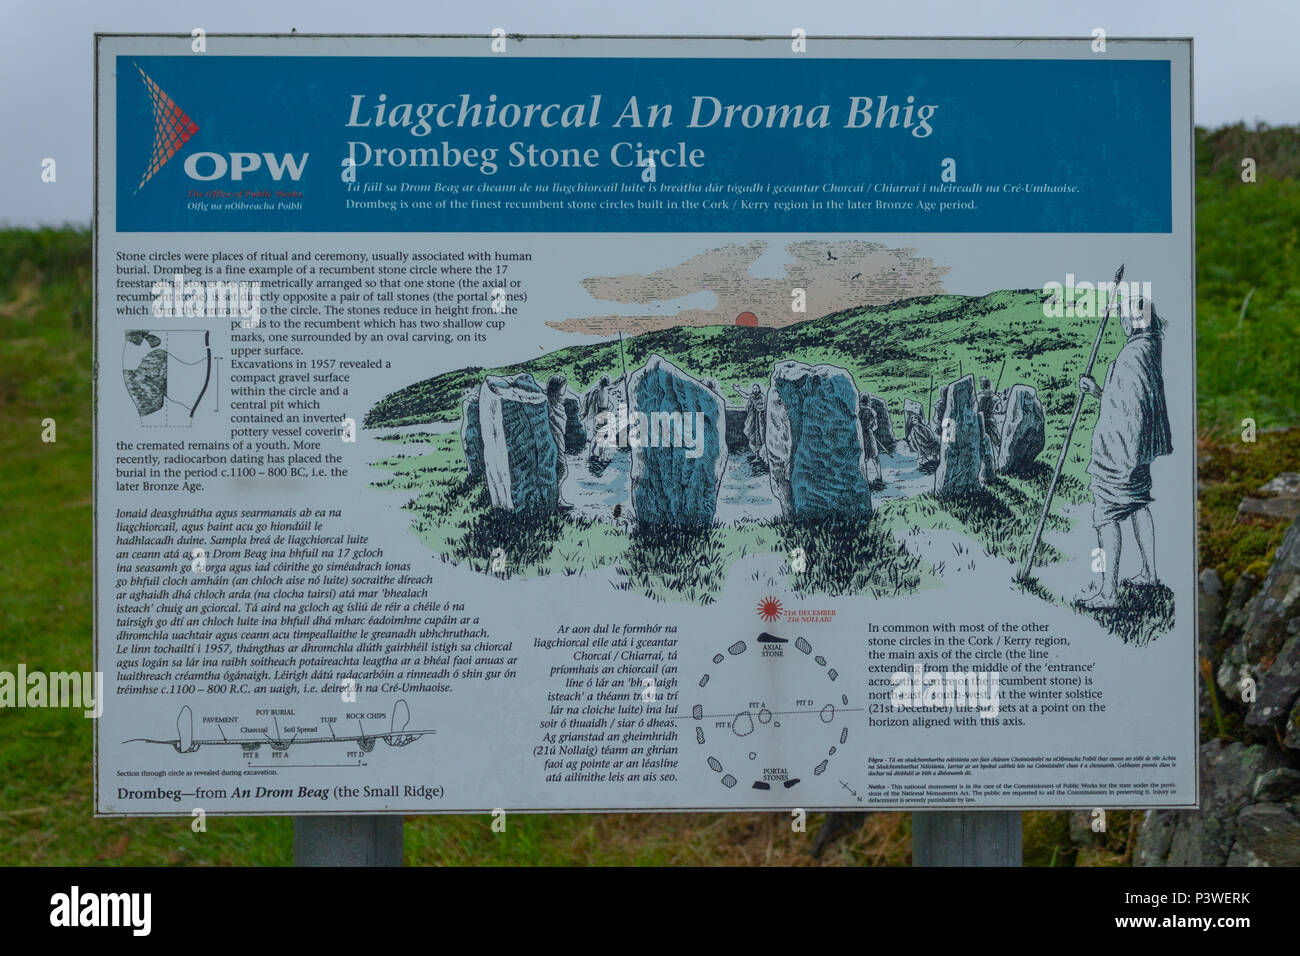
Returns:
point(171, 127)
point(215, 165)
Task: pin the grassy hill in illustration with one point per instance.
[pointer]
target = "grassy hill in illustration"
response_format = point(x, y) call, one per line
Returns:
point(893, 351)
point(899, 351)
point(888, 349)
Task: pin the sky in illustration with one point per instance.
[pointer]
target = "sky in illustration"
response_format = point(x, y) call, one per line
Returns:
point(820, 278)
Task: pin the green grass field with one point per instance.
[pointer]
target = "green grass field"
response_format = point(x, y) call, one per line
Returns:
point(1246, 238)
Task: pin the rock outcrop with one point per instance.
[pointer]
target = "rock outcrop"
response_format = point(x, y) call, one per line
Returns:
point(1279, 498)
point(1267, 625)
point(1250, 790)
point(1217, 834)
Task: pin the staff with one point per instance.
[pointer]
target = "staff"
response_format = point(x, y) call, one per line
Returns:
point(627, 402)
point(1069, 432)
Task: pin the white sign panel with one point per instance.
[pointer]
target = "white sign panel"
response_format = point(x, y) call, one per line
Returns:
point(643, 424)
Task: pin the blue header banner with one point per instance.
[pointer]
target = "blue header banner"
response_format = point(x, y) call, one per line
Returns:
point(517, 144)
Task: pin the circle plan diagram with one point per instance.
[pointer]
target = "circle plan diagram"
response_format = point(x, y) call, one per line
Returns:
point(769, 713)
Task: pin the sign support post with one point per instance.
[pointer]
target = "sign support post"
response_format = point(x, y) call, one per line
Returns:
point(966, 838)
point(369, 840)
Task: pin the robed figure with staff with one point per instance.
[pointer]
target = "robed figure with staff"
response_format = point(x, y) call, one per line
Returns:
point(1132, 430)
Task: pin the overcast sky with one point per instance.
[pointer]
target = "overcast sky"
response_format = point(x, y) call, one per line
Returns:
point(1245, 63)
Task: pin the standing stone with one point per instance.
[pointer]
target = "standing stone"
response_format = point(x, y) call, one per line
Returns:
point(988, 457)
point(679, 452)
point(814, 443)
point(575, 433)
point(736, 440)
point(520, 458)
point(471, 434)
point(885, 437)
point(1024, 431)
point(961, 440)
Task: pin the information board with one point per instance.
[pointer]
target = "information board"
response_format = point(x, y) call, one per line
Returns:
point(550, 424)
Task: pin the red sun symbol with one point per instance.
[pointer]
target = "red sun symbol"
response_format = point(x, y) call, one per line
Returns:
point(769, 609)
point(747, 318)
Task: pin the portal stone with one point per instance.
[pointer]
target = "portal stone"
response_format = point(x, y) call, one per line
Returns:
point(678, 447)
point(814, 443)
point(961, 441)
point(520, 458)
point(1024, 431)
point(471, 434)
